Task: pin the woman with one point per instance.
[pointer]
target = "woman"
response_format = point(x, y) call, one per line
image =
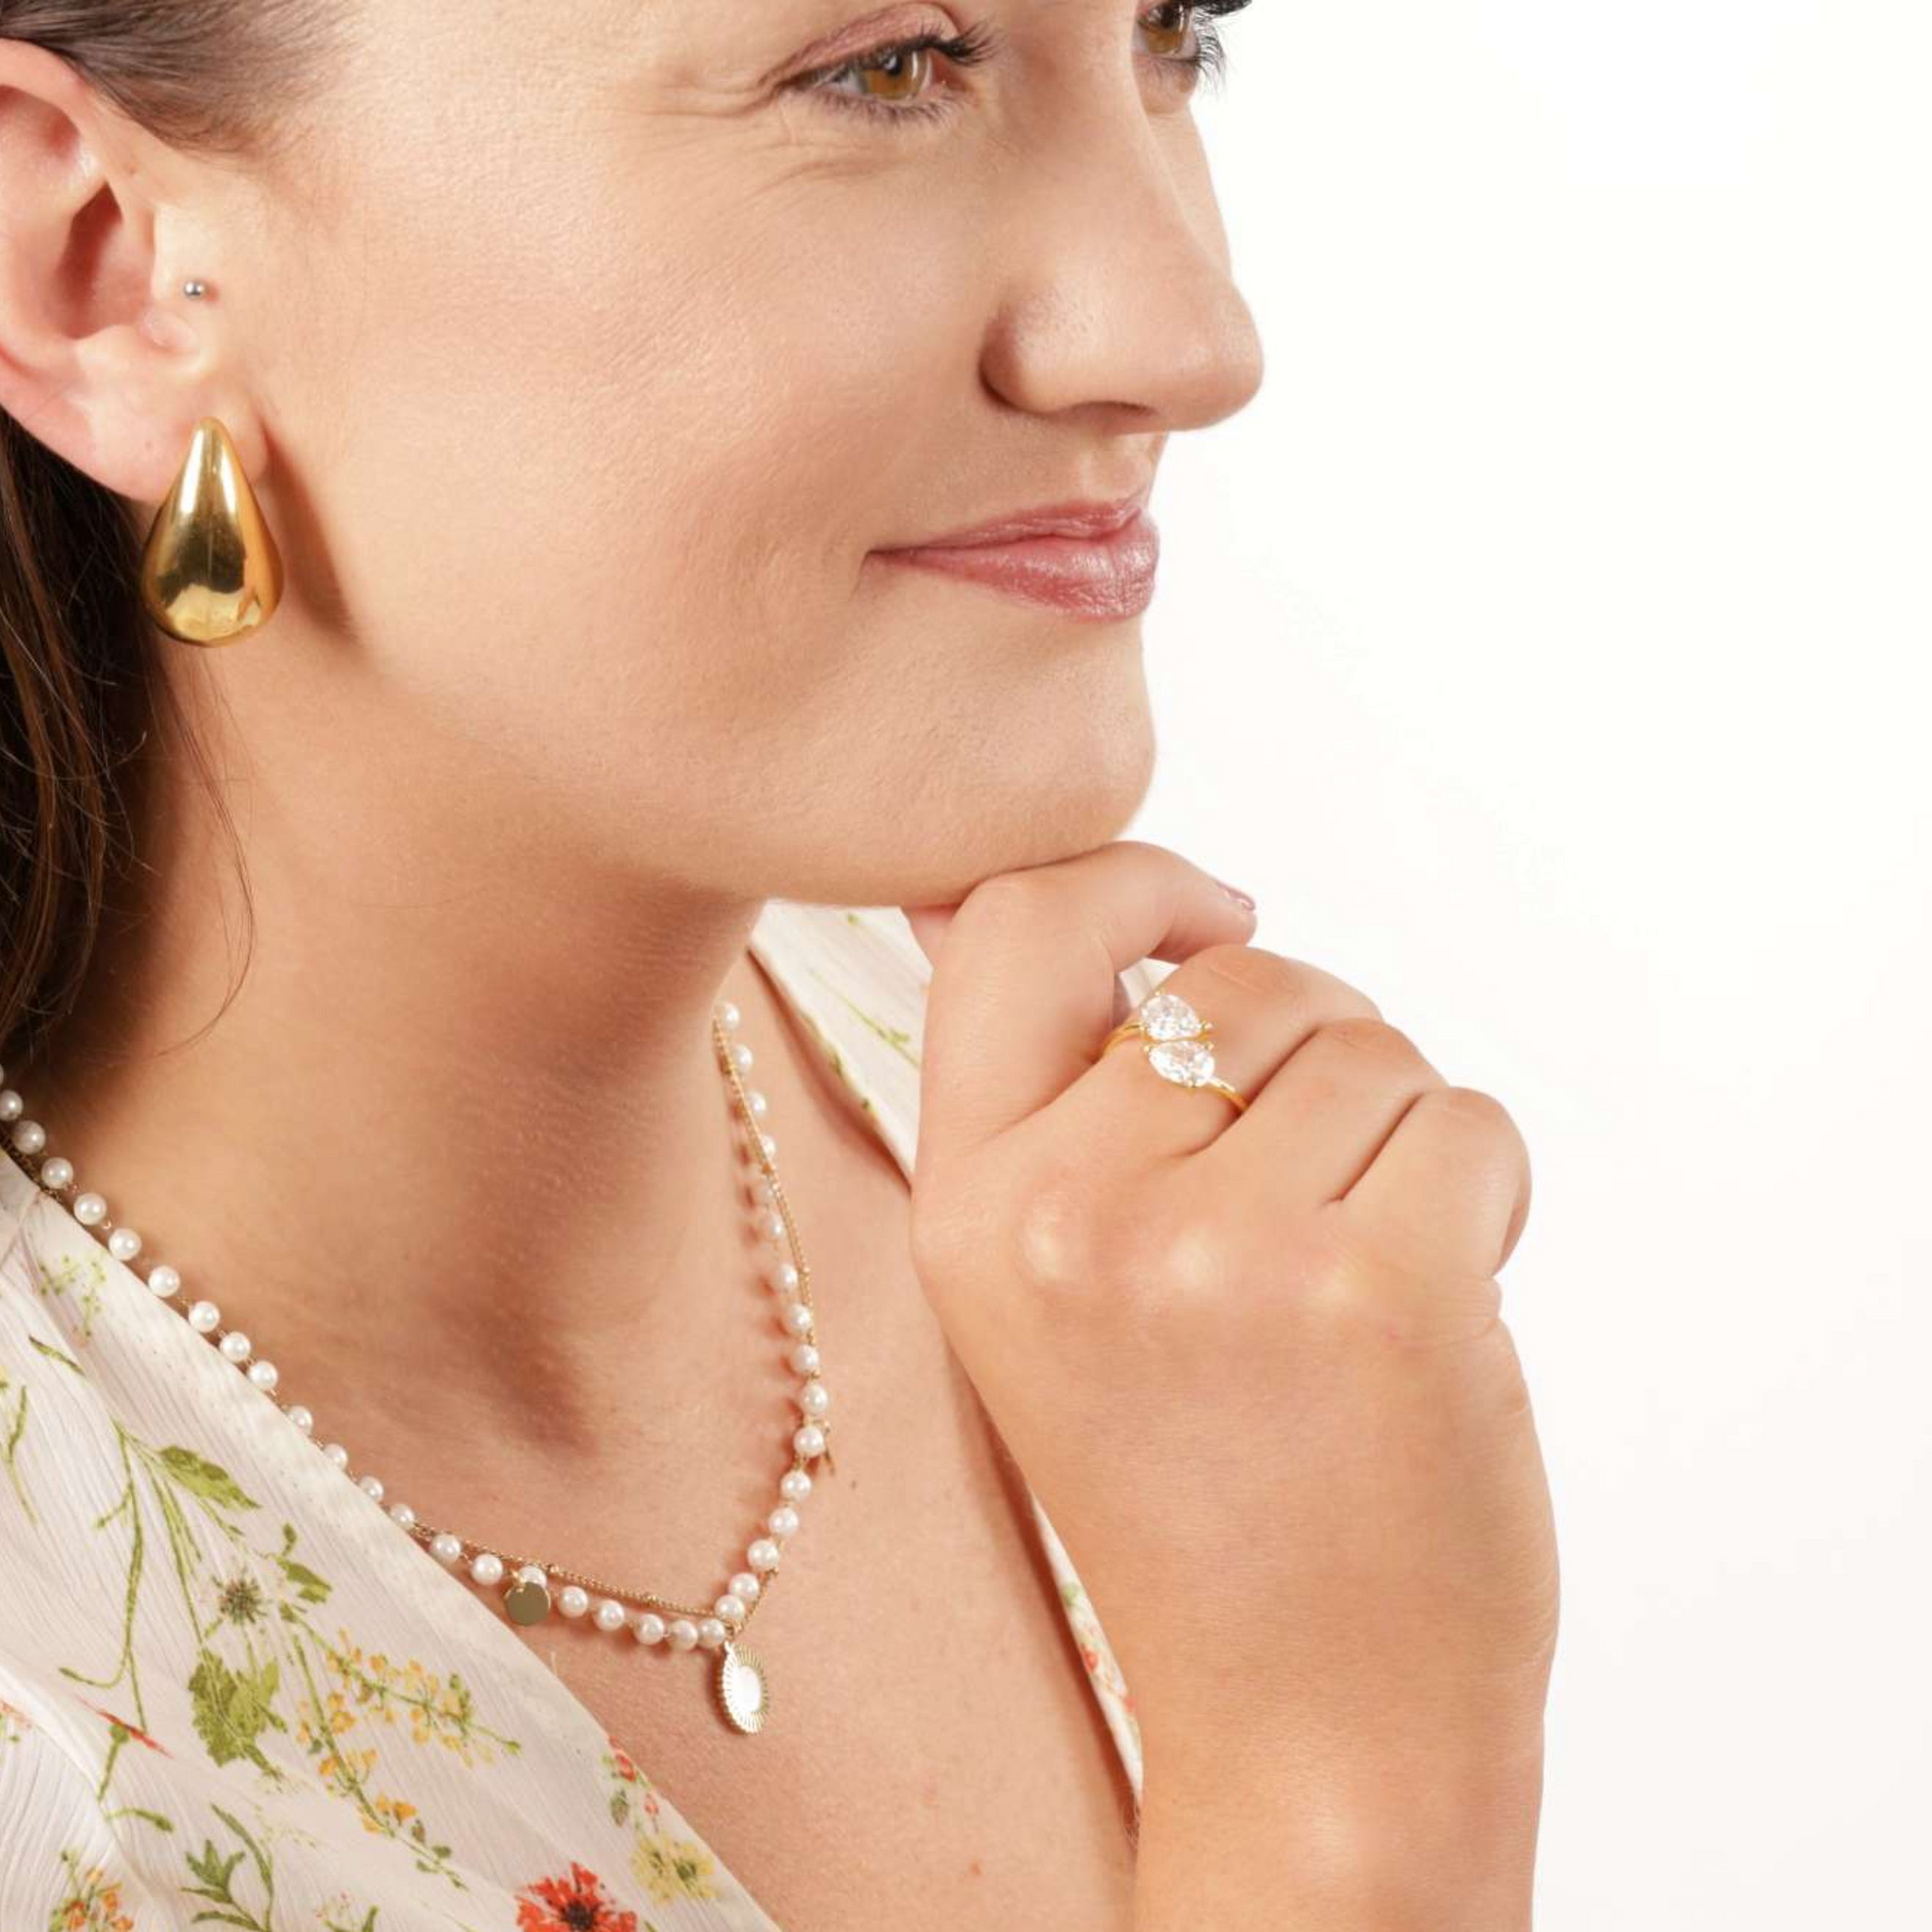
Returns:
point(465, 1056)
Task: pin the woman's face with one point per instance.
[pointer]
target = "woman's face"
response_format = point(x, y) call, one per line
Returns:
point(599, 351)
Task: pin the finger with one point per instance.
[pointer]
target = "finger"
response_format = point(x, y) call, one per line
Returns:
point(1262, 1006)
point(1317, 1122)
point(1452, 1177)
point(1024, 989)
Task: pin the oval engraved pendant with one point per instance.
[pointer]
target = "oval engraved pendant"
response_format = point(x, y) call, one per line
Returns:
point(743, 1693)
point(526, 1602)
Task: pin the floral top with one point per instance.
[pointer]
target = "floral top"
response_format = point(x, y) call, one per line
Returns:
point(234, 1690)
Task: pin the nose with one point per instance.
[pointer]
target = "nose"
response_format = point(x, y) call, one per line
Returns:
point(1117, 292)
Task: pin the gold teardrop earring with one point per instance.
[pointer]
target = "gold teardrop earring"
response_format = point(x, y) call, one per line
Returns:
point(211, 573)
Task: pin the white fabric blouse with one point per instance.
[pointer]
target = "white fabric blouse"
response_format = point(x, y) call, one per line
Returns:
point(234, 1690)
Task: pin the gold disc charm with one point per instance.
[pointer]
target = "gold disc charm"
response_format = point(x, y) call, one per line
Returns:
point(743, 1693)
point(527, 1601)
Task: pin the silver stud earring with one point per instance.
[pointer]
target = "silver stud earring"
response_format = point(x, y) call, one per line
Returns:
point(194, 288)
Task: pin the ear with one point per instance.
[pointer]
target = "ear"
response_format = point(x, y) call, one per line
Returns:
point(102, 357)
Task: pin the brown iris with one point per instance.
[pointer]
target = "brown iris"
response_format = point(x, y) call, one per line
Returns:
point(1169, 40)
point(904, 71)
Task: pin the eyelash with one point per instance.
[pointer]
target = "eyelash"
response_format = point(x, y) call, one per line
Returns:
point(979, 41)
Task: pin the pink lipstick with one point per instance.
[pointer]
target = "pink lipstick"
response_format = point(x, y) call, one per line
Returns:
point(1085, 559)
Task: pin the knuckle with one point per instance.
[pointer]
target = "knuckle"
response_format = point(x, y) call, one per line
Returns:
point(1253, 969)
point(1061, 1242)
point(1281, 979)
point(1370, 1033)
point(1483, 1115)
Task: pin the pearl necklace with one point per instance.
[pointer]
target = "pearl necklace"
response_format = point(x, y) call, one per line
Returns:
point(739, 1679)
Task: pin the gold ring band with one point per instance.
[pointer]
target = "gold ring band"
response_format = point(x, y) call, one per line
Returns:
point(1177, 1041)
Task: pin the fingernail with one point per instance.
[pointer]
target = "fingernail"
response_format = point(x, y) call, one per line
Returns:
point(1237, 894)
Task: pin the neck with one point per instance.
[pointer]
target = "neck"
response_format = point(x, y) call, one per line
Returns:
point(459, 1153)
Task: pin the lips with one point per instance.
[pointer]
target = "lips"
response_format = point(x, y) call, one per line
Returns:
point(1084, 560)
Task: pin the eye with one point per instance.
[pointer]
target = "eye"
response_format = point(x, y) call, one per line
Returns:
point(1185, 36)
point(901, 70)
point(894, 80)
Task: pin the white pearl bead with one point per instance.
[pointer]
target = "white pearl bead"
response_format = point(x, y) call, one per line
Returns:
point(204, 1315)
point(403, 1514)
point(711, 1632)
point(487, 1566)
point(445, 1548)
point(783, 1278)
point(756, 1103)
point(336, 1454)
point(682, 1632)
point(124, 1244)
point(746, 1587)
point(808, 1441)
point(573, 1599)
point(90, 1208)
point(742, 1057)
point(302, 1417)
point(30, 1137)
point(264, 1374)
point(762, 1191)
point(795, 1486)
point(610, 1615)
point(783, 1521)
point(814, 1398)
point(797, 1318)
point(648, 1627)
point(57, 1173)
point(235, 1346)
point(770, 1223)
point(531, 1573)
point(804, 1358)
point(164, 1280)
point(763, 1554)
point(372, 1486)
point(12, 1106)
point(770, 1143)
point(727, 1013)
point(729, 1607)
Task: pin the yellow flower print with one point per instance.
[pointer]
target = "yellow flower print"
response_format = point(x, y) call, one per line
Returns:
point(674, 1868)
point(395, 1811)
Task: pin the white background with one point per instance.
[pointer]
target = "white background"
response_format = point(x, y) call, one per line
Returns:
point(1545, 648)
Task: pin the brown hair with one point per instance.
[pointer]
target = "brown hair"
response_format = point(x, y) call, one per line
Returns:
point(79, 690)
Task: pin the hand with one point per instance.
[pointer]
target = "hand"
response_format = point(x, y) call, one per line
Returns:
point(1252, 1364)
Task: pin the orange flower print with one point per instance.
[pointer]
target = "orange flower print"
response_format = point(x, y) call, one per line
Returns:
point(577, 1903)
point(621, 1762)
point(91, 1904)
point(133, 1731)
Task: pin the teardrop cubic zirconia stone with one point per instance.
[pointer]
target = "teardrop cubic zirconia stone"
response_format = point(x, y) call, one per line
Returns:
point(1187, 1063)
point(1167, 1016)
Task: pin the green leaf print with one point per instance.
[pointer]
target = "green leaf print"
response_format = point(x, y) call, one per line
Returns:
point(216, 1874)
point(204, 1478)
point(309, 1587)
point(15, 1431)
point(246, 1610)
point(81, 1276)
point(233, 1708)
point(48, 1349)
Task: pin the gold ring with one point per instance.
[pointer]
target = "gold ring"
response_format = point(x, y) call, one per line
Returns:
point(1178, 1043)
